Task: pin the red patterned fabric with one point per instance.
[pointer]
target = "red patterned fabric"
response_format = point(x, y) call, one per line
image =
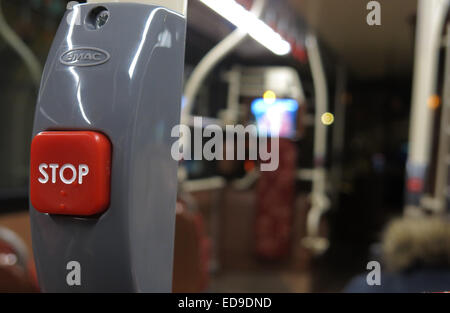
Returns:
point(275, 204)
point(202, 244)
point(205, 250)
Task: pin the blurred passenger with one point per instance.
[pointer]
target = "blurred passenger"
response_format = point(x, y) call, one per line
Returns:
point(416, 257)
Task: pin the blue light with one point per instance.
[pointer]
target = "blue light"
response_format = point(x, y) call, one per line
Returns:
point(259, 106)
point(277, 118)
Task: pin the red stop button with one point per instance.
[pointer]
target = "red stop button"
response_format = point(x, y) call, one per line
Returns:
point(70, 172)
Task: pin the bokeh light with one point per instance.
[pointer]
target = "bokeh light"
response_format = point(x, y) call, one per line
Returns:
point(327, 118)
point(269, 97)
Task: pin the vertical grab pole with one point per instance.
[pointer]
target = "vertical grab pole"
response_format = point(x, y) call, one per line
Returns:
point(319, 200)
point(431, 16)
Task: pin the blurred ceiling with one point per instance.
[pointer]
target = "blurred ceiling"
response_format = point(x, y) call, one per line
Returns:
point(214, 27)
point(369, 51)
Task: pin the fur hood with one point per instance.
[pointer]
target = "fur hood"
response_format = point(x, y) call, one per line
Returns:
point(417, 242)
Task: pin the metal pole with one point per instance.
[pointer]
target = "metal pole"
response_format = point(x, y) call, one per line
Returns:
point(431, 15)
point(319, 200)
point(210, 60)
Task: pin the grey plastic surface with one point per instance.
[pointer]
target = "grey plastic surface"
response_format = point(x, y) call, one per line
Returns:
point(134, 98)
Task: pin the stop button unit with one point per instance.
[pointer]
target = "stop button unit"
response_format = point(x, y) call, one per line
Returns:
point(70, 172)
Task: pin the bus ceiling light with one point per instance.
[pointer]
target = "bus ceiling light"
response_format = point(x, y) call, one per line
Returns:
point(249, 23)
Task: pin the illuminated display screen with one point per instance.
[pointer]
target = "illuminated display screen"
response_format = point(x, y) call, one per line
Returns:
point(276, 118)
